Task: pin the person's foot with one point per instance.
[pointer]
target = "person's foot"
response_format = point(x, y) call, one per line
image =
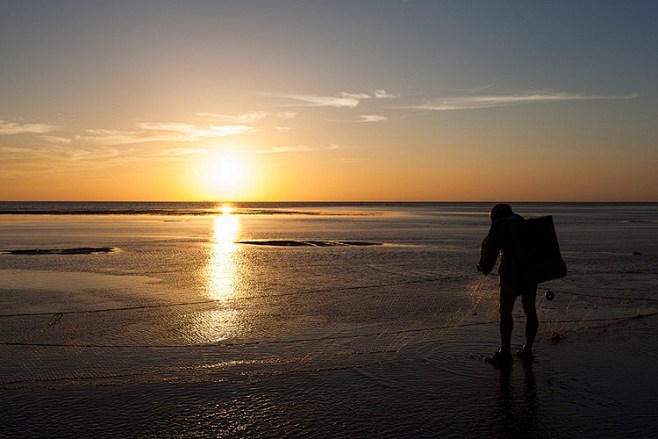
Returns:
point(525, 355)
point(500, 359)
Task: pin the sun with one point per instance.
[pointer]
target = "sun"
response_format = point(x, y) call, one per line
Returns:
point(225, 176)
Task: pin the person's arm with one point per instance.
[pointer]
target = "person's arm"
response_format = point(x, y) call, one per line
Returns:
point(489, 254)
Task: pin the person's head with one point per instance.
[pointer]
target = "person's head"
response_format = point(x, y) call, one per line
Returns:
point(500, 211)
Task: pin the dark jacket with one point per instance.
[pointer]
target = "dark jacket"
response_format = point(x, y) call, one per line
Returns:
point(500, 239)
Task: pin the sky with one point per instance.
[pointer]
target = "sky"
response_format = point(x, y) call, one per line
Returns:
point(360, 100)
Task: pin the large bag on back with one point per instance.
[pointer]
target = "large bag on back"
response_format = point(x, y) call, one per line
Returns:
point(537, 247)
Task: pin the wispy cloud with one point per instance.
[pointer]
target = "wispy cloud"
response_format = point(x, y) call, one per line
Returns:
point(114, 137)
point(57, 153)
point(13, 151)
point(8, 128)
point(477, 102)
point(344, 100)
point(191, 132)
point(58, 140)
point(179, 154)
point(182, 151)
point(341, 100)
point(294, 149)
point(368, 118)
point(236, 119)
point(247, 118)
point(287, 115)
point(161, 132)
point(383, 94)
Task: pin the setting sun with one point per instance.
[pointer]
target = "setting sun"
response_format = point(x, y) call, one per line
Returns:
point(225, 176)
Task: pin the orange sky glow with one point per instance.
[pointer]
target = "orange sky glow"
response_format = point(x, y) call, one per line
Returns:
point(409, 101)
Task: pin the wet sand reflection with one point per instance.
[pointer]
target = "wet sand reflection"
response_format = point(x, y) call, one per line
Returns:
point(518, 408)
point(222, 284)
point(222, 266)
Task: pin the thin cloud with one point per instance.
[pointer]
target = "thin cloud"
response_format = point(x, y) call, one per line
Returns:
point(182, 151)
point(239, 119)
point(114, 137)
point(383, 94)
point(179, 154)
point(161, 132)
point(67, 157)
point(294, 149)
point(14, 151)
point(55, 153)
point(9, 128)
point(57, 140)
point(287, 115)
point(478, 102)
point(342, 100)
point(87, 154)
point(369, 118)
point(192, 132)
point(247, 118)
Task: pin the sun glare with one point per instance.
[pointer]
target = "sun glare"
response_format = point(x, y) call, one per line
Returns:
point(225, 176)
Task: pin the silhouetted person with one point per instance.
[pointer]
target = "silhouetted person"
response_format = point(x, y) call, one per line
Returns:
point(514, 281)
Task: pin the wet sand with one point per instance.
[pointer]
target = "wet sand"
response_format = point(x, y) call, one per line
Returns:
point(590, 385)
point(183, 332)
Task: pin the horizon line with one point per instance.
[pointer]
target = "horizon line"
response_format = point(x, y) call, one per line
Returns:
point(339, 201)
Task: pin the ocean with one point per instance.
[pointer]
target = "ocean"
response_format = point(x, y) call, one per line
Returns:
point(317, 320)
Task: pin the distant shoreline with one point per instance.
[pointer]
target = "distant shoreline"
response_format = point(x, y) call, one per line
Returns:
point(309, 208)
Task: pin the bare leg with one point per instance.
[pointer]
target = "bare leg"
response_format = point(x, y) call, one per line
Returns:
point(503, 358)
point(532, 322)
point(507, 299)
point(506, 327)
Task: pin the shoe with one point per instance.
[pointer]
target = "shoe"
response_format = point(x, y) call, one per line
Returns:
point(526, 356)
point(500, 359)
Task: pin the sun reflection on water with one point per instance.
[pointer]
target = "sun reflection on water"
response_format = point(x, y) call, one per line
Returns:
point(222, 267)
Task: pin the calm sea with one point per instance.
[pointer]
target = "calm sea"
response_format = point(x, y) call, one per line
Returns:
point(316, 320)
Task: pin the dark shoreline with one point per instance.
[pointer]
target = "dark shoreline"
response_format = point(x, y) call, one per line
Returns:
point(60, 251)
point(314, 208)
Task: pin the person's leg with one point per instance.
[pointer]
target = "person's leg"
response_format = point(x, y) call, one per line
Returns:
point(503, 358)
point(506, 327)
point(532, 322)
point(507, 299)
